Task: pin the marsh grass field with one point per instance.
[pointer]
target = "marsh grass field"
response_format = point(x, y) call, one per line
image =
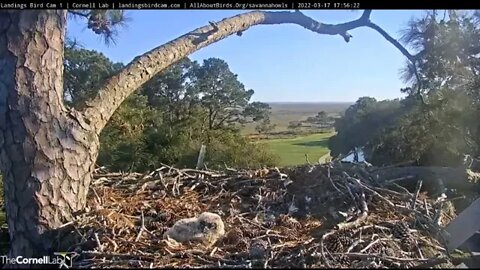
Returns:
point(285, 112)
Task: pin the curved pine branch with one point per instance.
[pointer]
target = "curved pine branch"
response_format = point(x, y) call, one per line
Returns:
point(98, 110)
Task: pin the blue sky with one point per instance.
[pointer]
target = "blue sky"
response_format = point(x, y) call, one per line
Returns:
point(283, 62)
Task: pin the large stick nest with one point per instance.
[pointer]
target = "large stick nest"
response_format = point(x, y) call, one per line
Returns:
point(309, 216)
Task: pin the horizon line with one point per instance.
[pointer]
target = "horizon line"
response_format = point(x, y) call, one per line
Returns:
point(308, 102)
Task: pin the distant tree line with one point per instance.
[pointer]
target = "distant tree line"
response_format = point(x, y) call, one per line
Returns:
point(172, 115)
point(438, 122)
point(322, 121)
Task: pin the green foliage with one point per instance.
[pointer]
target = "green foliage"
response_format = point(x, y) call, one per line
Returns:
point(84, 71)
point(362, 121)
point(103, 22)
point(122, 141)
point(292, 125)
point(447, 126)
point(257, 111)
point(209, 95)
point(235, 150)
point(265, 126)
point(322, 116)
point(225, 99)
point(442, 128)
point(440, 136)
point(448, 50)
point(173, 92)
point(171, 116)
point(321, 119)
point(393, 131)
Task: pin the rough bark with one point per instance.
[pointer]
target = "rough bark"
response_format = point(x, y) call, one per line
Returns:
point(46, 154)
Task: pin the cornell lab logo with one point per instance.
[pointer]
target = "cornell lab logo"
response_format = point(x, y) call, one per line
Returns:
point(66, 259)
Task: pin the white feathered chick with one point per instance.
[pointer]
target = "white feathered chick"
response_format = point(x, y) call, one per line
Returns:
point(206, 228)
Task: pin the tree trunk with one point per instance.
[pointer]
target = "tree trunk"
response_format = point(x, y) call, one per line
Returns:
point(46, 153)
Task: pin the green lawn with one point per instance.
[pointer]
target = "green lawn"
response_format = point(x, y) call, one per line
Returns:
point(292, 151)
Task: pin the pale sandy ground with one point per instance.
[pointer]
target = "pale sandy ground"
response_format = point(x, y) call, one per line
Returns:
point(323, 159)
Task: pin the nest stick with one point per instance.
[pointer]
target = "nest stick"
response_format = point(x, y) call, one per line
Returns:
point(417, 191)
